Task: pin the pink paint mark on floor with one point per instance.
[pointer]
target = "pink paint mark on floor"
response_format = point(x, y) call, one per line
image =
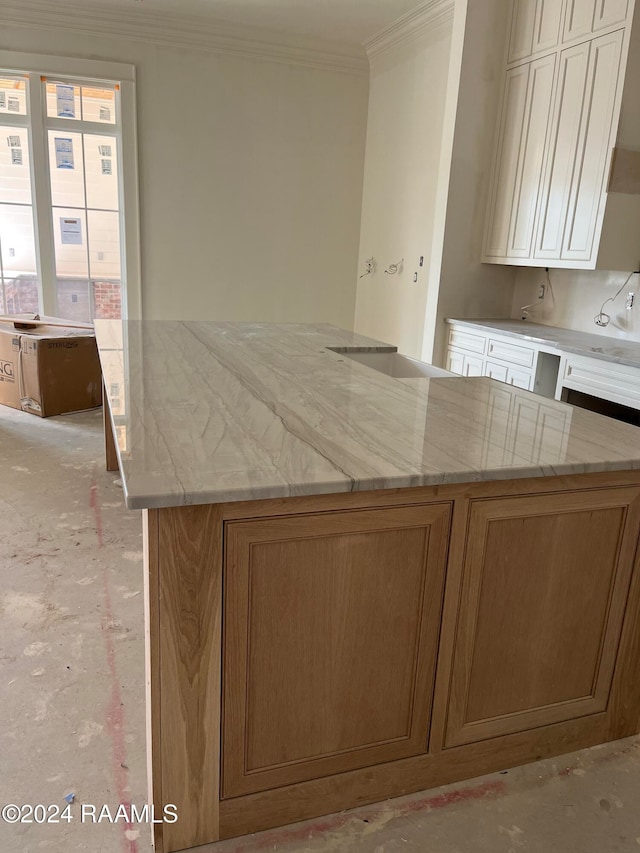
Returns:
point(115, 710)
point(371, 814)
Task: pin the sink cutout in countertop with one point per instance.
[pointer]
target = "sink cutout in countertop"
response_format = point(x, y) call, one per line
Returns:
point(397, 365)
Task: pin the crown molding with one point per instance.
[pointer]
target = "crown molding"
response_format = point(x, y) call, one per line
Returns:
point(426, 17)
point(186, 31)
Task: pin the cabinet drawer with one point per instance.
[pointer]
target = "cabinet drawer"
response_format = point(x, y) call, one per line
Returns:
point(619, 383)
point(513, 353)
point(461, 339)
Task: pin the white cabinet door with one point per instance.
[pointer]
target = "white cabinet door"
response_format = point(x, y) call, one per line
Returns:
point(509, 141)
point(546, 34)
point(473, 366)
point(495, 371)
point(588, 189)
point(535, 26)
point(523, 22)
point(532, 147)
point(519, 378)
point(521, 146)
point(455, 362)
point(610, 12)
point(563, 145)
point(463, 364)
point(578, 20)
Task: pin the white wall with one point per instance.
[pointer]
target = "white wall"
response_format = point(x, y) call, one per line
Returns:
point(460, 286)
point(250, 179)
point(404, 135)
point(579, 295)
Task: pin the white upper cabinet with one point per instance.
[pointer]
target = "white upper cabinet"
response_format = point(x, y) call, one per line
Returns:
point(610, 12)
point(561, 98)
point(578, 19)
point(588, 179)
point(528, 95)
point(535, 27)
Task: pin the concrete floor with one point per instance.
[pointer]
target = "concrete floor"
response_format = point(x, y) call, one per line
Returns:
point(72, 692)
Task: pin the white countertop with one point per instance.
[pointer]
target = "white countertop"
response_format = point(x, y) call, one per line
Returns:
point(566, 340)
point(208, 412)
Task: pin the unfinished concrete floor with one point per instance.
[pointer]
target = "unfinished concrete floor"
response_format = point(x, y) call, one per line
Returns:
point(72, 692)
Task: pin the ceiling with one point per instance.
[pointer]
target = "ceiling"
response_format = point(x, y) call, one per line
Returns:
point(352, 21)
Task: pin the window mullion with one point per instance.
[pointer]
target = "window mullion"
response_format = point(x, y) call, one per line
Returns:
point(41, 189)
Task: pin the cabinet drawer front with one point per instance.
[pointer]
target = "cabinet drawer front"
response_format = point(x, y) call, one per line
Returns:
point(331, 630)
point(545, 580)
point(512, 353)
point(461, 339)
point(619, 383)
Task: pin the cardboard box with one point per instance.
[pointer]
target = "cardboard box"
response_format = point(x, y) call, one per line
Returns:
point(48, 370)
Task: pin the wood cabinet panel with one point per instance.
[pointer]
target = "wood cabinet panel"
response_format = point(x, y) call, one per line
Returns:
point(544, 586)
point(331, 631)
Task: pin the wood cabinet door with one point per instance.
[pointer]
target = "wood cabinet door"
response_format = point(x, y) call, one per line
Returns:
point(544, 586)
point(331, 628)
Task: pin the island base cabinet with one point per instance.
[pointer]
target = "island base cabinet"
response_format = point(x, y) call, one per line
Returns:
point(331, 631)
point(544, 588)
point(308, 655)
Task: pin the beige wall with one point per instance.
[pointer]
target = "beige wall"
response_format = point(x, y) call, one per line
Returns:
point(576, 298)
point(404, 135)
point(461, 286)
point(250, 179)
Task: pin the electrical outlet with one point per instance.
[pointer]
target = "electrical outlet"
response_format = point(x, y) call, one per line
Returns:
point(631, 298)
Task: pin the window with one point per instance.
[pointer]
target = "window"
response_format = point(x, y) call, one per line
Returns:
point(68, 188)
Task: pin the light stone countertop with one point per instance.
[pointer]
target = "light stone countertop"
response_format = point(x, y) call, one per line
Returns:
point(603, 347)
point(208, 412)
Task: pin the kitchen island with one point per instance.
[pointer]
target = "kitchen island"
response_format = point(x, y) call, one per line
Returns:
point(357, 585)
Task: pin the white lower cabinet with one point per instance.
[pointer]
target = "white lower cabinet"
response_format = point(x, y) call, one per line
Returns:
point(538, 367)
point(472, 353)
point(464, 364)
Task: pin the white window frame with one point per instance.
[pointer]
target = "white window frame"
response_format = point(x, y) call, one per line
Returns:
point(70, 69)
